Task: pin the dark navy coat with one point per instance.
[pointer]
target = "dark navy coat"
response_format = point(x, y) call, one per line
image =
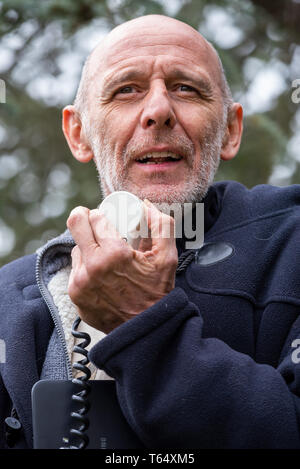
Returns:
point(213, 364)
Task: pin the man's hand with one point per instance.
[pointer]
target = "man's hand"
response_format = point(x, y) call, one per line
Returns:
point(110, 282)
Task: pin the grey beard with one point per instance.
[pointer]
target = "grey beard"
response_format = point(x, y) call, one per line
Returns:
point(192, 191)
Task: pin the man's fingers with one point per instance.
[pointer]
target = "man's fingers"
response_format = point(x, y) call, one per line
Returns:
point(81, 231)
point(103, 230)
point(76, 258)
point(76, 263)
point(113, 248)
point(79, 278)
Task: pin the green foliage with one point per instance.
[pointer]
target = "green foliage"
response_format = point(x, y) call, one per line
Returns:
point(40, 182)
point(253, 164)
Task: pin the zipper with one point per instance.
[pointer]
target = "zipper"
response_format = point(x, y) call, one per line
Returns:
point(48, 300)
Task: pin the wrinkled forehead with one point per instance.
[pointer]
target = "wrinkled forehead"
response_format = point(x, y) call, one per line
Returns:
point(186, 45)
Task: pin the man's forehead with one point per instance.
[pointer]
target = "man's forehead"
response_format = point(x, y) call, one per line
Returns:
point(151, 28)
point(150, 43)
point(142, 39)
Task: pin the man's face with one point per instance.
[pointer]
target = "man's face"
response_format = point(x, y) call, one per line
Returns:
point(155, 119)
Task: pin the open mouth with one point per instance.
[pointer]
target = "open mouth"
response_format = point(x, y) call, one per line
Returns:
point(159, 157)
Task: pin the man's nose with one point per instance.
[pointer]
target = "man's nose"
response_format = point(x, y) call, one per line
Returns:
point(158, 111)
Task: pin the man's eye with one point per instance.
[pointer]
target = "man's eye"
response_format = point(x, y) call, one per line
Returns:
point(125, 90)
point(187, 88)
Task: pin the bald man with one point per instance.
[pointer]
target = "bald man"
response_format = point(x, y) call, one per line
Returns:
point(204, 353)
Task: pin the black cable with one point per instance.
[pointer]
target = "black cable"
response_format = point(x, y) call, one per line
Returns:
point(81, 397)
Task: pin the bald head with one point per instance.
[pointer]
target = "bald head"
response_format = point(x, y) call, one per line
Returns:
point(148, 29)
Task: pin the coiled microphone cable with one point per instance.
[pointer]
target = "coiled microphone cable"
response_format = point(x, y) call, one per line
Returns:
point(81, 398)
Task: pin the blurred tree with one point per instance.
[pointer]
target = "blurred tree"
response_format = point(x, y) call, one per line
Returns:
point(42, 48)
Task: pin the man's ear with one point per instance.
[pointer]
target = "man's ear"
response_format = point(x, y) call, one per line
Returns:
point(72, 128)
point(233, 134)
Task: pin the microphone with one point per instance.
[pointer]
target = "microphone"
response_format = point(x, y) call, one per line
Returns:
point(125, 212)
